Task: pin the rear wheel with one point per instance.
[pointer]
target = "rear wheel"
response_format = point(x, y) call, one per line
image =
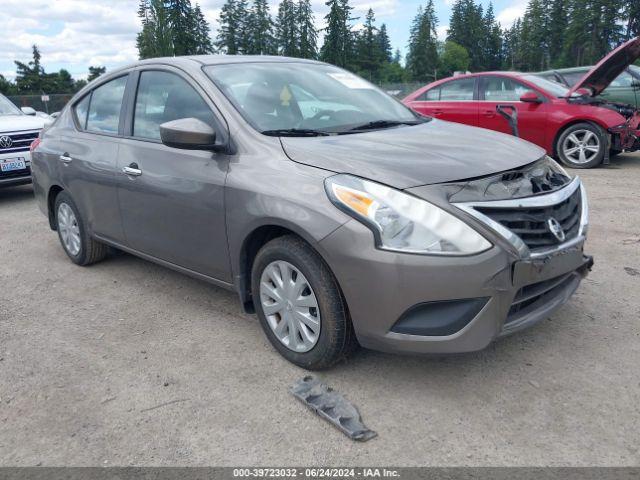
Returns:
point(582, 145)
point(76, 242)
point(299, 304)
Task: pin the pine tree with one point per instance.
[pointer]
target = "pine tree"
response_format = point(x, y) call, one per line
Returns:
point(260, 30)
point(422, 59)
point(307, 32)
point(578, 48)
point(287, 29)
point(533, 37)
point(556, 25)
point(467, 28)
point(492, 45)
point(632, 15)
point(183, 27)
point(30, 76)
point(95, 72)
point(155, 39)
point(231, 29)
point(144, 39)
point(511, 47)
point(384, 45)
point(338, 40)
point(368, 61)
point(204, 46)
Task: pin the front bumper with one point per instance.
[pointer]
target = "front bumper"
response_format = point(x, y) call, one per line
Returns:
point(626, 138)
point(504, 289)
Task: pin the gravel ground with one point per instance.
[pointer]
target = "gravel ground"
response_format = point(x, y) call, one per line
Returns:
point(128, 363)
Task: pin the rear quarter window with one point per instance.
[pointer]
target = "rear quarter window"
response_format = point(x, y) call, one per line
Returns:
point(432, 95)
point(457, 90)
point(81, 110)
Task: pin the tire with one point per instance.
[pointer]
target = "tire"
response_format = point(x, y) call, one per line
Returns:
point(335, 339)
point(82, 250)
point(582, 145)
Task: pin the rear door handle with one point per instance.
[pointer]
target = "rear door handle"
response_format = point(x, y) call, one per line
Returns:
point(490, 113)
point(65, 158)
point(132, 170)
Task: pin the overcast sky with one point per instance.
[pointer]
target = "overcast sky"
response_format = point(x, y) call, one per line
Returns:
point(74, 34)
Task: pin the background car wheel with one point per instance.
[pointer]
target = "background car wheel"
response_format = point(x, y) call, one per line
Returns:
point(76, 242)
point(582, 145)
point(300, 305)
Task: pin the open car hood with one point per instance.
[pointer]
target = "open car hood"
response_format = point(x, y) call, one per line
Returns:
point(404, 157)
point(607, 69)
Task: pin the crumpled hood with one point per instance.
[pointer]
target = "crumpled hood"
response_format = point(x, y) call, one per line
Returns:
point(607, 69)
point(15, 123)
point(404, 157)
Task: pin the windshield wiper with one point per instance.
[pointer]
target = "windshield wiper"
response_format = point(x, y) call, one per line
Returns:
point(295, 132)
point(385, 124)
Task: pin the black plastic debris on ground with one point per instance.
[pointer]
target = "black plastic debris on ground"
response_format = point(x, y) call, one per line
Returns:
point(333, 407)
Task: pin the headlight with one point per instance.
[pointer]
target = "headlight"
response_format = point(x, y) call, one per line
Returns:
point(555, 167)
point(402, 222)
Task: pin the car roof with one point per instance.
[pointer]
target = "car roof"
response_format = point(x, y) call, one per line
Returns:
point(207, 60)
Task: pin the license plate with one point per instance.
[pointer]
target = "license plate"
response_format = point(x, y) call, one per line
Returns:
point(11, 164)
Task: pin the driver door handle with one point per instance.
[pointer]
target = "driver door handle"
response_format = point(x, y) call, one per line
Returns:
point(65, 158)
point(132, 170)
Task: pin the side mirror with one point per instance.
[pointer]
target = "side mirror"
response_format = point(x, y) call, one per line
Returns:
point(530, 97)
point(28, 111)
point(188, 134)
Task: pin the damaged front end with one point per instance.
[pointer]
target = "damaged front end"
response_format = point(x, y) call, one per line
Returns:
point(626, 136)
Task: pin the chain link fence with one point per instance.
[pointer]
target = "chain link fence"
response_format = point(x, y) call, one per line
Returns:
point(55, 101)
point(401, 90)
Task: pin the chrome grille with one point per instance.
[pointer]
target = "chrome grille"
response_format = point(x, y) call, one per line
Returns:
point(530, 223)
point(20, 141)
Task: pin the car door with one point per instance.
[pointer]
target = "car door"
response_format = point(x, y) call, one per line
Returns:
point(88, 153)
point(496, 90)
point(172, 200)
point(453, 100)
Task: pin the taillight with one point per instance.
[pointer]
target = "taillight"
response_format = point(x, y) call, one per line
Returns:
point(34, 144)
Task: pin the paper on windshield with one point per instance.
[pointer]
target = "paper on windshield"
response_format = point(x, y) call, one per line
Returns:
point(350, 81)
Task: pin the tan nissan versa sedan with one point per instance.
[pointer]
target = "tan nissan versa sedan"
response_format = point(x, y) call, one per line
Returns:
point(336, 213)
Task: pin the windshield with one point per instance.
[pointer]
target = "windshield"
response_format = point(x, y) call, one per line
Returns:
point(7, 107)
point(554, 88)
point(294, 98)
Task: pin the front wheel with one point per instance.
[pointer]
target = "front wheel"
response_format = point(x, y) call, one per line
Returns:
point(299, 304)
point(582, 145)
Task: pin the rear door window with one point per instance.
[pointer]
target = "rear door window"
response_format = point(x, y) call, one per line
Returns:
point(457, 90)
point(105, 106)
point(163, 97)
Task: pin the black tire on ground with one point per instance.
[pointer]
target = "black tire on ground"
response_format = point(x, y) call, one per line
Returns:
point(91, 251)
point(337, 339)
point(578, 129)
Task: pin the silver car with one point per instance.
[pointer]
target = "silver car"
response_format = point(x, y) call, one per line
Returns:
point(337, 214)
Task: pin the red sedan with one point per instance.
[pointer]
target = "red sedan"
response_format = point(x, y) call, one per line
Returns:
point(572, 124)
